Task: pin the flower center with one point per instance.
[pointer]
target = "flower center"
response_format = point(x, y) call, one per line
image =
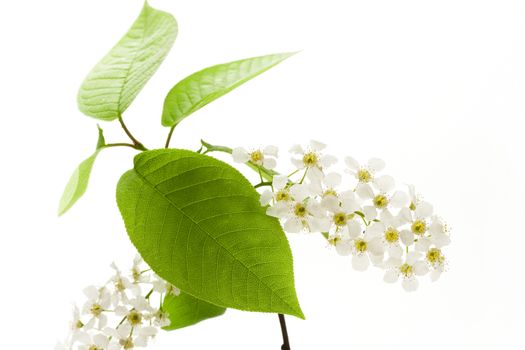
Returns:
point(282, 195)
point(136, 274)
point(79, 324)
point(434, 256)
point(127, 343)
point(330, 192)
point(419, 227)
point(310, 159)
point(412, 206)
point(96, 309)
point(93, 347)
point(134, 318)
point(364, 175)
point(391, 235)
point(119, 285)
point(360, 245)
point(300, 210)
point(334, 240)
point(256, 157)
point(380, 201)
point(340, 219)
point(406, 270)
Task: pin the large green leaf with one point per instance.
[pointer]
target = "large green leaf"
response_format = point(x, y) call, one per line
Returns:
point(207, 85)
point(78, 182)
point(116, 80)
point(199, 225)
point(184, 310)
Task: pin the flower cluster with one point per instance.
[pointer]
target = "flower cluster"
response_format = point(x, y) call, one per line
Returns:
point(120, 314)
point(369, 220)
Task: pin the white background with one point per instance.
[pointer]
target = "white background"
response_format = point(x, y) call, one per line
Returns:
point(433, 87)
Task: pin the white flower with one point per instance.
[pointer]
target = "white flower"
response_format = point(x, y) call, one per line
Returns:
point(312, 159)
point(122, 286)
point(265, 157)
point(302, 213)
point(384, 198)
point(408, 269)
point(137, 271)
point(387, 229)
point(279, 193)
point(419, 221)
point(93, 341)
point(364, 249)
point(99, 300)
point(133, 320)
point(364, 174)
point(341, 213)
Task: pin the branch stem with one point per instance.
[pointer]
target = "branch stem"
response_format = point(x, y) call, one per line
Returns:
point(167, 145)
point(286, 342)
point(136, 142)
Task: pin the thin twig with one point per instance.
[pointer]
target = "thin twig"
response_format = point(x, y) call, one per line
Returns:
point(286, 342)
point(167, 145)
point(132, 138)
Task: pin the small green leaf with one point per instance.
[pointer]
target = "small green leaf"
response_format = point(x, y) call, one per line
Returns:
point(207, 85)
point(184, 310)
point(198, 224)
point(101, 142)
point(77, 184)
point(116, 80)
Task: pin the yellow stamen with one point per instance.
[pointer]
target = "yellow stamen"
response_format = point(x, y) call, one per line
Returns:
point(435, 257)
point(419, 227)
point(380, 201)
point(256, 157)
point(300, 210)
point(310, 159)
point(340, 219)
point(282, 195)
point(391, 235)
point(360, 245)
point(406, 270)
point(364, 175)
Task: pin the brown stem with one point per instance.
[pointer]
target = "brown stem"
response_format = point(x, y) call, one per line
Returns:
point(131, 137)
point(286, 342)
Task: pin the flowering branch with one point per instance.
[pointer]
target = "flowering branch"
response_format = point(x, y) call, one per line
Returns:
point(372, 221)
point(121, 298)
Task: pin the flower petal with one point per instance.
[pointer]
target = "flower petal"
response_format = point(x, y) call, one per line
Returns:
point(344, 247)
point(399, 199)
point(376, 164)
point(385, 183)
point(424, 210)
point(271, 150)
point(352, 164)
point(410, 284)
point(297, 149)
point(279, 181)
point(269, 163)
point(332, 180)
point(316, 145)
point(240, 155)
point(360, 262)
point(391, 276)
point(266, 197)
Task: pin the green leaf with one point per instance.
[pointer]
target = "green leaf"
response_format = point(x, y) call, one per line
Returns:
point(184, 310)
point(101, 142)
point(207, 85)
point(115, 81)
point(77, 184)
point(198, 224)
